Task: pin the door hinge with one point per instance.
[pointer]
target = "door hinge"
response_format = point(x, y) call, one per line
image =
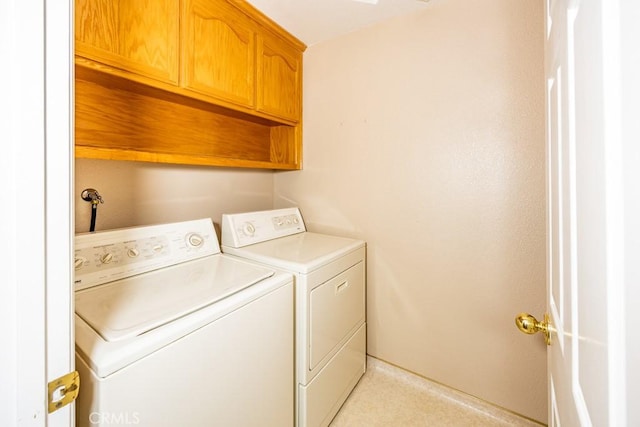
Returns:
point(63, 390)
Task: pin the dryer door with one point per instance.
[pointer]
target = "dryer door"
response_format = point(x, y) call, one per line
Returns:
point(337, 308)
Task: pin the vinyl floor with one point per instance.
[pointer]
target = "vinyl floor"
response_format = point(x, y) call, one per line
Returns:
point(387, 396)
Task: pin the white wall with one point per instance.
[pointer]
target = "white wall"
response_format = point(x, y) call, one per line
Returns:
point(424, 135)
point(137, 193)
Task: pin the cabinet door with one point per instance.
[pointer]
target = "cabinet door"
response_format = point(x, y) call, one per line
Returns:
point(140, 36)
point(279, 88)
point(218, 51)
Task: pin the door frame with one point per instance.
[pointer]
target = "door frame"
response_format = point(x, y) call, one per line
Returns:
point(36, 221)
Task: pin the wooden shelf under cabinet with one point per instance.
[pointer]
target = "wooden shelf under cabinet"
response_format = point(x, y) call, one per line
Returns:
point(120, 119)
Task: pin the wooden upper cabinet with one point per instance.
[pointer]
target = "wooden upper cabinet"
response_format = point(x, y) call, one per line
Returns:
point(279, 78)
point(218, 51)
point(139, 36)
point(200, 82)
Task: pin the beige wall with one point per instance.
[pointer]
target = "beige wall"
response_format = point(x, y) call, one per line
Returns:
point(147, 193)
point(425, 136)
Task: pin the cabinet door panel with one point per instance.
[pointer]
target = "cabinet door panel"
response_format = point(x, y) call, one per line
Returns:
point(139, 36)
point(96, 25)
point(279, 78)
point(219, 51)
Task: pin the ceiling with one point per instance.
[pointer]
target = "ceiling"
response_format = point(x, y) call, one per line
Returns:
point(314, 21)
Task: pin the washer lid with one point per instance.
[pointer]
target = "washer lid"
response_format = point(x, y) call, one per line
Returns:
point(133, 306)
point(300, 253)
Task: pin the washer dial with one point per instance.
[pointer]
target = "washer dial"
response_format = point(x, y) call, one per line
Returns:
point(79, 262)
point(106, 258)
point(195, 240)
point(133, 252)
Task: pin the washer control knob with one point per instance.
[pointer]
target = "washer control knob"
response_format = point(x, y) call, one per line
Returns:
point(249, 229)
point(79, 262)
point(133, 252)
point(106, 258)
point(157, 248)
point(195, 240)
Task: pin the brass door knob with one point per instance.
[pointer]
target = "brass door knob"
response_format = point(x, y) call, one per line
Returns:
point(530, 325)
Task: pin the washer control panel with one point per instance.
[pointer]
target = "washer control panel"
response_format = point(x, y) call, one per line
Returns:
point(247, 228)
point(105, 256)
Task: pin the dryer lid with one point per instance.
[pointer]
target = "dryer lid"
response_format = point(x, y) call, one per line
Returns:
point(133, 306)
point(300, 253)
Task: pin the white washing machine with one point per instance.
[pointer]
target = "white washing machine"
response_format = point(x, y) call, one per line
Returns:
point(170, 332)
point(329, 276)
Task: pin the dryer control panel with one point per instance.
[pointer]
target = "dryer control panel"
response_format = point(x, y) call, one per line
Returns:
point(105, 256)
point(247, 228)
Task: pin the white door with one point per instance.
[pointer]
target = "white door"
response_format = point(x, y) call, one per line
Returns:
point(586, 219)
point(36, 206)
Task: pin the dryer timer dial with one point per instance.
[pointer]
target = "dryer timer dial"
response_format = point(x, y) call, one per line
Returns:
point(249, 229)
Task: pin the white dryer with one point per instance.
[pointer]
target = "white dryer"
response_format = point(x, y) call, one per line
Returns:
point(329, 276)
point(171, 332)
